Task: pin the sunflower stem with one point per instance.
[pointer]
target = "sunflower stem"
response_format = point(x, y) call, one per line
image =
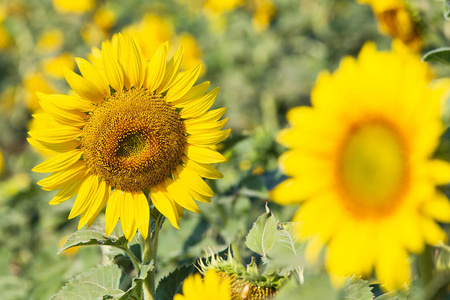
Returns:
point(149, 248)
point(425, 265)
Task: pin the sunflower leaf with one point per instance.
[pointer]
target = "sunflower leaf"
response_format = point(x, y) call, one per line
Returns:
point(440, 55)
point(171, 284)
point(356, 288)
point(94, 235)
point(94, 284)
point(135, 291)
point(263, 233)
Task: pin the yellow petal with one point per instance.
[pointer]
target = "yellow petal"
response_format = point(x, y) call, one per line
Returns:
point(68, 176)
point(59, 161)
point(172, 69)
point(135, 65)
point(204, 170)
point(194, 92)
point(55, 135)
point(86, 194)
point(94, 76)
point(210, 116)
point(179, 195)
point(200, 106)
point(204, 155)
point(113, 208)
point(183, 85)
point(96, 204)
point(438, 208)
point(64, 117)
point(191, 179)
point(291, 191)
point(122, 55)
point(127, 218)
point(440, 171)
point(106, 196)
point(67, 102)
point(208, 138)
point(142, 212)
point(392, 267)
point(165, 206)
point(67, 192)
point(60, 147)
point(113, 70)
point(200, 127)
point(157, 67)
point(83, 87)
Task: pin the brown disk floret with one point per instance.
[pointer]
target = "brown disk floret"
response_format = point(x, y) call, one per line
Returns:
point(242, 289)
point(133, 140)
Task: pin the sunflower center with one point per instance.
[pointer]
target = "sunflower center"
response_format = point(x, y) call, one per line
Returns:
point(133, 140)
point(373, 168)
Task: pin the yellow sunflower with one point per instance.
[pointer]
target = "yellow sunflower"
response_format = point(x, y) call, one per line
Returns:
point(397, 19)
point(131, 126)
point(210, 287)
point(360, 165)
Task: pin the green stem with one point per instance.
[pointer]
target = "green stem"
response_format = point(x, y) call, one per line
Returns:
point(149, 248)
point(425, 265)
point(133, 259)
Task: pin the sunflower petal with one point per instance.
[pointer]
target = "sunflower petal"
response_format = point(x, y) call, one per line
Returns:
point(83, 87)
point(113, 70)
point(183, 85)
point(94, 76)
point(172, 69)
point(157, 67)
point(165, 206)
point(200, 106)
point(142, 212)
point(204, 155)
point(59, 161)
point(86, 194)
point(208, 138)
point(112, 213)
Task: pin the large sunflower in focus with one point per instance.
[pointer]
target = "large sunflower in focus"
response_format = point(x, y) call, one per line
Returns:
point(131, 126)
point(360, 165)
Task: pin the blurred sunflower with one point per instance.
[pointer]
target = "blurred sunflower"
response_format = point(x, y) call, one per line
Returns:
point(74, 7)
point(132, 126)
point(397, 19)
point(210, 287)
point(360, 162)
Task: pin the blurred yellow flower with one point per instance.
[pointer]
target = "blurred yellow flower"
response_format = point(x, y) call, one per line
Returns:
point(73, 6)
point(395, 18)
point(361, 166)
point(105, 18)
point(149, 33)
point(263, 14)
point(36, 82)
point(210, 287)
point(132, 125)
point(54, 66)
point(92, 34)
point(192, 53)
point(5, 38)
point(50, 40)
point(222, 6)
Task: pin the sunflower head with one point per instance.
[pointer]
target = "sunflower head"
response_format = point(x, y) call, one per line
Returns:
point(130, 125)
point(244, 282)
point(360, 162)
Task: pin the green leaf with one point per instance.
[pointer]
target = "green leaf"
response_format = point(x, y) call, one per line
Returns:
point(287, 251)
point(94, 284)
point(94, 235)
point(135, 291)
point(447, 9)
point(171, 284)
point(262, 236)
point(440, 55)
point(356, 288)
point(316, 287)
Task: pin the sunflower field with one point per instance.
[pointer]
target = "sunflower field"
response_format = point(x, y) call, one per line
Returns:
point(224, 149)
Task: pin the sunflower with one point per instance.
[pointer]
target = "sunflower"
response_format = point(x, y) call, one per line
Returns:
point(211, 287)
point(360, 165)
point(131, 126)
point(397, 19)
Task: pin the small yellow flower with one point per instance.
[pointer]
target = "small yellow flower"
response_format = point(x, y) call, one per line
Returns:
point(73, 7)
point(192, 52)
point(218, 7)
point(132, 125)
point(1, 162)
point(54, 66)
point(361, 166)
point(34, 82)
point(5, 38)
point(68, 252)
point(105, 18)
point(396, 19)
point(50, 40)
point(210, 287)
point(263, 14)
